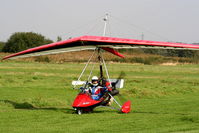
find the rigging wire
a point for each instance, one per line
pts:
(91, 72)
(138, 27)
(85, 68)
(107, 73)
(95, 27)
(118, 32)
(72, 32)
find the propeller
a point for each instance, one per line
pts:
(121, 76)
(120, 96)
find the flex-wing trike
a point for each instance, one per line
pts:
(84, 103)
(97, 43)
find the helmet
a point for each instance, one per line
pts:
(95, 78)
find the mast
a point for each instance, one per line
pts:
(99, 50)
(105, 24)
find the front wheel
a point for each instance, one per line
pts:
(79, 111)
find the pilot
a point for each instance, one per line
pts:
(96, 90)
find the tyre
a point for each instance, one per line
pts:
(79, 111)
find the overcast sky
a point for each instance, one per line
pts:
(162, 20)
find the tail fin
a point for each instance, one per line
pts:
(126, 107)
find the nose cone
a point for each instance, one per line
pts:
(84, 100)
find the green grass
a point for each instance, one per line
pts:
(36, 97)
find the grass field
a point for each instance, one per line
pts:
(37, 97)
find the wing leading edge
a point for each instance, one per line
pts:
(92, 42)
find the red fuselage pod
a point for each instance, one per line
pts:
(84, 100)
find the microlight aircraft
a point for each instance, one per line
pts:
(83, 102)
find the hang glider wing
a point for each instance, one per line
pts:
(93, 42)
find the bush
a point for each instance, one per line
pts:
(23, 40)
(42, 59)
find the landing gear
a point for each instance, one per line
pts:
(79, 111)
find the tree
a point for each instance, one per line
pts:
(1, 46)
(59, 39)
(23, 40)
